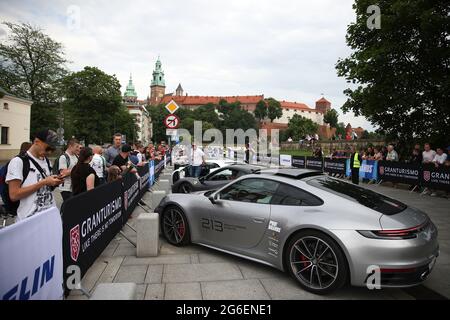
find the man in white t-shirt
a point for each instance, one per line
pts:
(67, 161)
(440, 157)
(197, 158)
(34, 191)
(98, 163)
(428, 154)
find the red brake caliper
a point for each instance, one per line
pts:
(181, 229)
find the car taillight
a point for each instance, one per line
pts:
(399, 234)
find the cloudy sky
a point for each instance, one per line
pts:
(283, 49)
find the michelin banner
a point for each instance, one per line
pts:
(31, 262)
(285, 160)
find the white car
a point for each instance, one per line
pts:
(211, 165)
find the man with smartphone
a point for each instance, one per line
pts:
(29, 177)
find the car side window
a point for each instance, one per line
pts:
(251, 190)
(223, 175)
(287, 195)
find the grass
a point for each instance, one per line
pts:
(301, 153)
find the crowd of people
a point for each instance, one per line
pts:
(30, 178)
(439, 158)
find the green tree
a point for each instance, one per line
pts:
(274, 110)
(157, 114)
(300, 126)
(340, 130)
(93, 105)
(331, 117)
(400, 73)
(31, 66)
(261, 110)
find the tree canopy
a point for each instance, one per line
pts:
(274, 110)
(400, 73)
(93, 106)
(299, 127)
(32, 66)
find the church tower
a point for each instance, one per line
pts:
(130, 94)
(158, 85)
(179, 91)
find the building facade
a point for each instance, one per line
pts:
(15, 119)
(140, 113)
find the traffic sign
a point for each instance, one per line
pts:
(172, 121)
(172, 107)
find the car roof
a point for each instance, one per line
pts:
(244, 167)
(292, 173)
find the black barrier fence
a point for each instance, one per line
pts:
(131, 194)
(314, 163)
(90, 221)
(399, 172)
(336, 166)
(435, 178)
(298, 162)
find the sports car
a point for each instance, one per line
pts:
(214, 180)
(211, 165)
(323, 231)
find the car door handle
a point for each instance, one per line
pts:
(259, 220)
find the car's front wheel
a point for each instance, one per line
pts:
(316, 262)
(175, 227)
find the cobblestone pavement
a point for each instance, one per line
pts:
(195, 272)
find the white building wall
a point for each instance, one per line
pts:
(17, 119)
(315, 116)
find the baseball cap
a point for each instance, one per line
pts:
(49, 137)
(126, 148)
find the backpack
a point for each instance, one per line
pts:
(12, 206)
(56, 163)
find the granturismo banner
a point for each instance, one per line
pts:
(336, 166)
(399, 172)
(435, 178)
(314, 163)
(298, 162)
(90, 221)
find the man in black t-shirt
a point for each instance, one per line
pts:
(123, 161)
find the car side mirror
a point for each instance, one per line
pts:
(214, 198)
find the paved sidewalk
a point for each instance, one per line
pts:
(195, 272)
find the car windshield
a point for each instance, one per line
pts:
(365, 197)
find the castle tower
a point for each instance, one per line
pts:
(130, 94)
(179, 91)
(323, 105)
(158, 85)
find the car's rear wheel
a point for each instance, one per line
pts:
(175, 227)
(316, 262)
(185, 188)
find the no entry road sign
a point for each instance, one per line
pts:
(172, 121)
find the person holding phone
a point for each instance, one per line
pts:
(29, 177)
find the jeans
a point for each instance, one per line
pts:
(195, 171)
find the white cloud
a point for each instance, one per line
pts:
(286, 49)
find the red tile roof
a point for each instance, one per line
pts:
(323, 100)
(202, 100)
(295, 105)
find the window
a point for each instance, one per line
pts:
(251, 190)
(367, 198)
(223, 175)
(6, 106)
(5, 135)
(287, 195)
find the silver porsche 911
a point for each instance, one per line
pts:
(325, 232)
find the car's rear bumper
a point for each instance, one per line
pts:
(400, 263)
